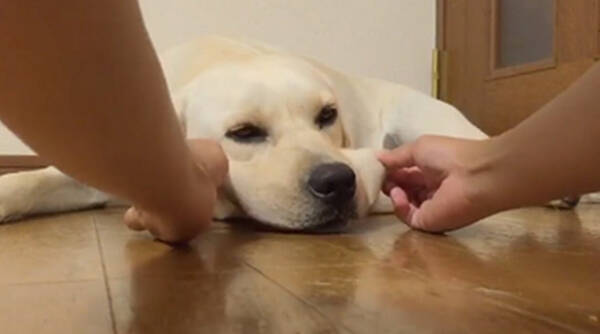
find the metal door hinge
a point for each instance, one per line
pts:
(437, 72)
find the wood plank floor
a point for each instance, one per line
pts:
(533, 270)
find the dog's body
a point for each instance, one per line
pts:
(300, 136)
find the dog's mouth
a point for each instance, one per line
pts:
(331, 227)
(337, 224)
(327, 203)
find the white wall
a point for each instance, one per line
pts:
(10, 144)
(388, 39)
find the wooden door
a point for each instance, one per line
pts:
(504, 59)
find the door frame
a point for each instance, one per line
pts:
(440, 22)
(440, 51)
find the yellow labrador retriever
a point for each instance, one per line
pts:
(300, 136)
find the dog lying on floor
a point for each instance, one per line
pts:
(300, 137)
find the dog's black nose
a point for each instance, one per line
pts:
(333, 183)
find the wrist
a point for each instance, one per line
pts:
(199, 201)
(491, 177)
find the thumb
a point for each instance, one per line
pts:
(438, 215)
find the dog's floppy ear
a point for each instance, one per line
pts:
(346, 143)
(369, 169)
(227, 208)
(228, 205)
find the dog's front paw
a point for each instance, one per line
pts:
(7, 215)
(566, 203)
(12, 203)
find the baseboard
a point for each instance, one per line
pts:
(16, 163)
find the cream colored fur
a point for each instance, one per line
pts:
(217, 84)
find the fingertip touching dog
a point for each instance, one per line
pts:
(301, 137)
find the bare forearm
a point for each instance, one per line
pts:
(556, 152)
(457, 182)
(81, 84)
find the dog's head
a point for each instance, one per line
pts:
(280, 122)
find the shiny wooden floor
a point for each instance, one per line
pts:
(535, 270)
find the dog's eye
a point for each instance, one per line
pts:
(247, 133)
(326, 117)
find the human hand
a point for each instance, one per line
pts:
(210, 155)
(438, 184)
(211, 167)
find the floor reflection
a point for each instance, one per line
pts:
(539, 271)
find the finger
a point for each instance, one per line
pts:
(403, 208)
(427, 219)
(400, 157)
(407, 176)
(435, 216)
(411, 180)
(400, 202)
(133, 220)
(412, 191)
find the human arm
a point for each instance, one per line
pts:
(451, 183)
(80, 83)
